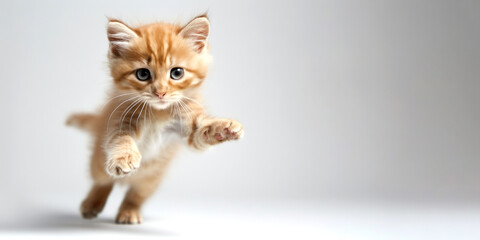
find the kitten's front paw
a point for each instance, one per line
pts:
(222, 130)
(123, 161)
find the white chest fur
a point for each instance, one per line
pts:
(155, 138)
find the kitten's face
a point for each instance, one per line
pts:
(161, 63)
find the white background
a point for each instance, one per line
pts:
(347, 106)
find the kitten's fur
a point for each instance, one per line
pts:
(137, 133)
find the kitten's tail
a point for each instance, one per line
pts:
(84, 121)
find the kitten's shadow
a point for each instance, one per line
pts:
(69, 222)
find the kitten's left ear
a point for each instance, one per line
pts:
(120, 36)
(196, 32)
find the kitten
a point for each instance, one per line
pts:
(154, 107)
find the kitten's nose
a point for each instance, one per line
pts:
(160, 94)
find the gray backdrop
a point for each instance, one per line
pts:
(339, 99)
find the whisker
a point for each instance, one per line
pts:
(140, 114)
(151, 113)
(193, 100)
(130, 122)
(121, 95)
(127, 110)
(182, 130)
(186, 105)
(181, 118)
(186, 109)
(109, 118)
(145, 115)
(109, 100)
(177, 110)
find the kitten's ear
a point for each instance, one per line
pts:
(120, 36)
(196, 32)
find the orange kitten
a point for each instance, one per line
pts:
(153, 108)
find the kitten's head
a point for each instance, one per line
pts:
(160, 63)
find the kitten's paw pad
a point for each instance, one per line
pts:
(123, 163)
(128, 217)
(222, 131)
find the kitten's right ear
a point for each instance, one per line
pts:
(196, 32)
(120, 36)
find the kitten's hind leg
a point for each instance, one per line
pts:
(96, 199)
(129, 212)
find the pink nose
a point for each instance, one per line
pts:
(160, 94)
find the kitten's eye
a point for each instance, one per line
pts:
(176, 73)
(143, 74)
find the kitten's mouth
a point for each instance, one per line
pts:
(160, 103)
(164, 101)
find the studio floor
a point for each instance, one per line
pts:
(234, 219)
